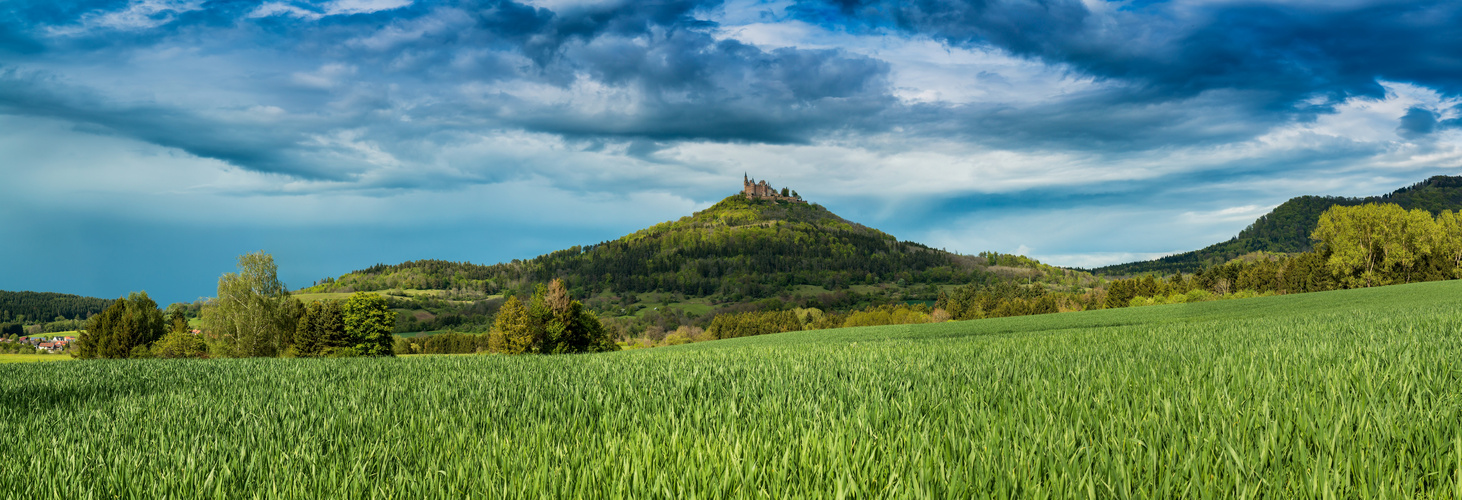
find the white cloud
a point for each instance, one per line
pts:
(334, 8)
(327, 76)
(922, 70)
(138, 15)
(347, 7)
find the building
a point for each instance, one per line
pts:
(760, 190)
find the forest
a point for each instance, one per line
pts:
(43, 307)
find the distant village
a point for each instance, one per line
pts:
(53, 344)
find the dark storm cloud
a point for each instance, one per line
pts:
(1417, 122)
(684, 84)
(1293, 49)
(1275, 61)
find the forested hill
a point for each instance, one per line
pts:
(1287, 228)
(736, 250)
(42, 307)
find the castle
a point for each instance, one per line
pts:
(763, 191)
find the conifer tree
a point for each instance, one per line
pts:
(512, 330)
(127, 324)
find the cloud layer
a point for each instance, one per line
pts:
(974, 125)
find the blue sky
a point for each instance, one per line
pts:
(145, 144)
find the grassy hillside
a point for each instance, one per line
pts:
(1287, 228)
(738, 249)
(1335, 394)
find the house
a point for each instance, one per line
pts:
(49, 346)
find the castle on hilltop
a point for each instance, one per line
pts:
(762, 191)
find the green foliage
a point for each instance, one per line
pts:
(1287, 228)
(250, 314)
(127, 325)
(180, 344)
(454, 343)
(321, 327)
(178, 322)
(513, 330)
(1347, 394)
(368, 324)
(749, 324)
(890, 314)
(43, 307)
(1372, 245)
(739, 249)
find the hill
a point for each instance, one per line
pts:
(43, 307)
(1344, 394)
(1287, 228)
(738, 250)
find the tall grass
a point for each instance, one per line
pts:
(1342, 394)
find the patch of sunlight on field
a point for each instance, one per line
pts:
(33, 358)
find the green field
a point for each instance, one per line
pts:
(29, 358)
(1351, 394)
(72, 333)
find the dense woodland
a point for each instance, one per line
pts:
(43, 307)
(1288, 227)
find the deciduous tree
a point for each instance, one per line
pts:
(368, 323)
(249, 312)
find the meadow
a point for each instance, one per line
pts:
(33, 358)
(1354, 393)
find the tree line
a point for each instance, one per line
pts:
(253, 316)
(44, 307)
(550, 322)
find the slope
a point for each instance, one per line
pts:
(1287, 228)
(739, 249)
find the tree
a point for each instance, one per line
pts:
(512, 330)
(567, 326)
(309, 337)
(178, 322)
(127, 324)
(180, 344)
(250, 311)
(368, 323)
(1373, 245)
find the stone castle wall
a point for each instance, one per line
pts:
(761, 190)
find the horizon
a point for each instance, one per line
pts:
(152, 142)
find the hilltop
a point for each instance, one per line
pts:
(742, 249)
(1287, 228)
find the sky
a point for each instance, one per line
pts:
(146, 144)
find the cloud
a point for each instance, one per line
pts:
(137, 15)
(977, 125)
(1417, 122)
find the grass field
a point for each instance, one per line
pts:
(31, 358)
(72, 333)
(1345, 394)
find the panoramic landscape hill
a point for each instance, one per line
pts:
(741, 250)
(1287, 229)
